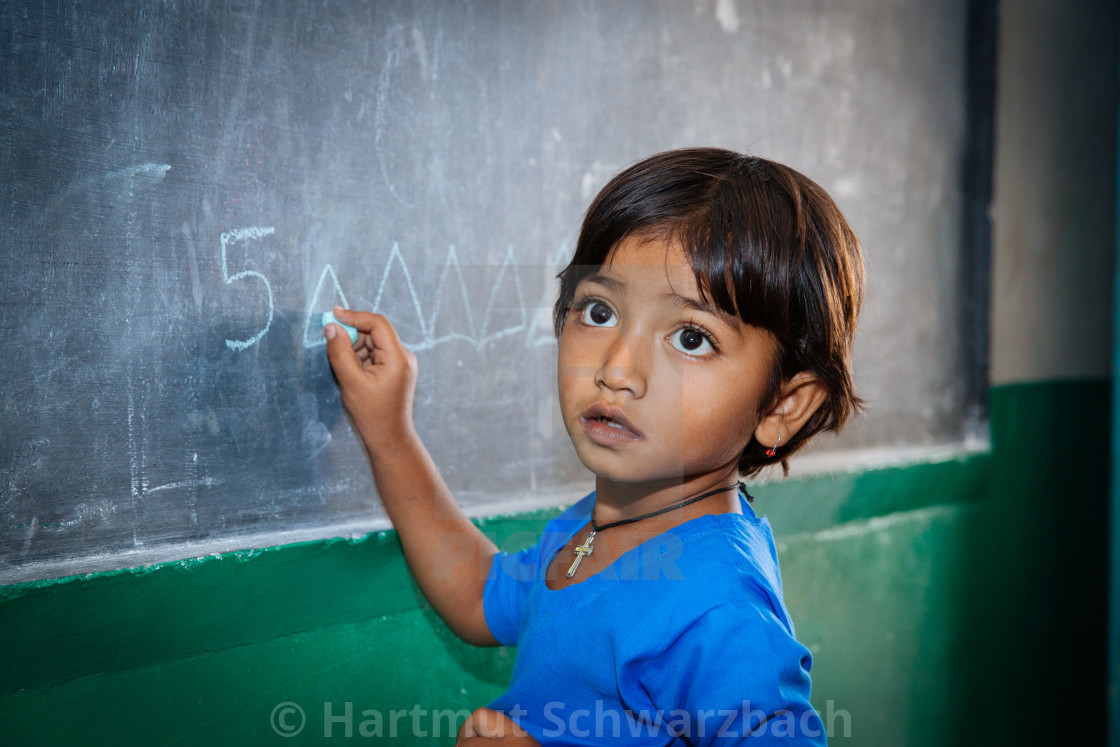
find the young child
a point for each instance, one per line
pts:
(705, 327)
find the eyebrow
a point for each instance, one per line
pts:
(729, 320)
(609, 282)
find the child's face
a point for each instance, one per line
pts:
(655, 385)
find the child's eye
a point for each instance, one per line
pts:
(598, 314)
(691, 341)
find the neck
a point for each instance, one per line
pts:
(615, 501)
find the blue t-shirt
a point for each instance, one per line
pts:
(683, 640)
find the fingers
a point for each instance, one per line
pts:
(466, 731)
(378, 329)
(488, 723)
(376, 377)
(481, 723)
(341, 354)
(377, 343)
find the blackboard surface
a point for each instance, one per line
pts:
(186, 186)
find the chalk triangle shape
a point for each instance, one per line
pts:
(451, 313)
(541, 330)
(505, 304)
(397, 300)
(328, 293)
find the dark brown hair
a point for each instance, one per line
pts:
(767, 244)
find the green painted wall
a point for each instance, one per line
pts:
(961, 602)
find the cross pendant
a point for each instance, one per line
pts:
(581, 551)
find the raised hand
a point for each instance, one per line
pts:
(376, 377)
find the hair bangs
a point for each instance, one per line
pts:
(736, 254)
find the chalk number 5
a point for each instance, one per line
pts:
(232, 237)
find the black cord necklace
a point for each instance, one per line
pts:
(582, 551)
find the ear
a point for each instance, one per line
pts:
(797, 400)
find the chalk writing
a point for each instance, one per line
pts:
(313, 333)
(135, 464)
(380, 118)
(509, 267)
(505, 294)
(152, 170)
(232, 237)
(395, 257)
(452, 265)
(477, 336)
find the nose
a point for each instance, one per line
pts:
(623, 367)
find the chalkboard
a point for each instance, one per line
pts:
(187, 185)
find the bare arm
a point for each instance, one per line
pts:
(447, 554)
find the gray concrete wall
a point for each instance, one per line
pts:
(1054, 190)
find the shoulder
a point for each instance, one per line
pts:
(728, 597)
(727, 562)
(730, 546)
(746, 543)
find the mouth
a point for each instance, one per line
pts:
(608, 425)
